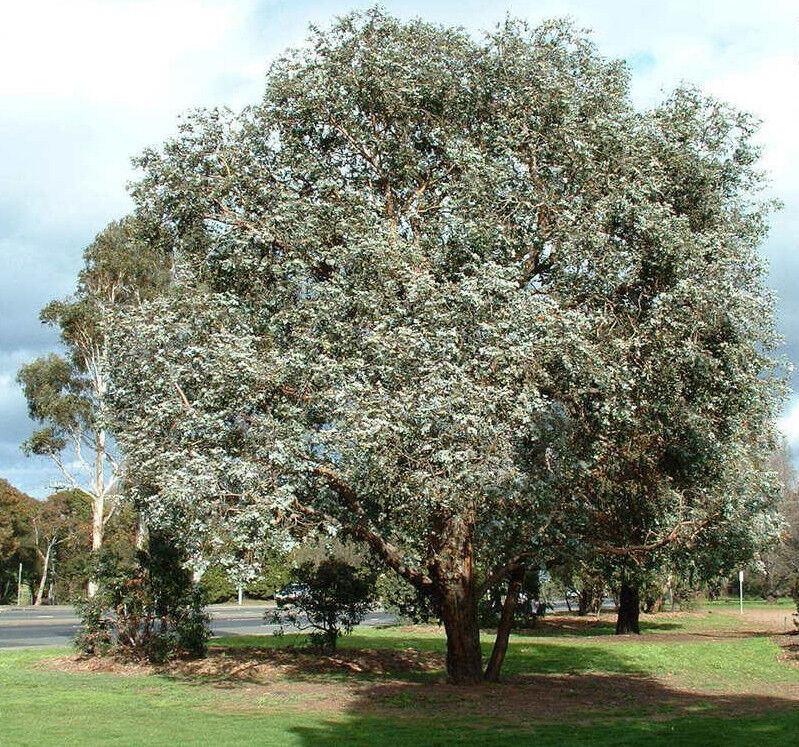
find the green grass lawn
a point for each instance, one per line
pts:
(732, 664)
(681, 692)
(733, 604)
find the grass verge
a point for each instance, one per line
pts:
(682, 686)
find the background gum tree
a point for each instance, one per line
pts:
(58, 520)
(66, 393)
(16, 510)
(776, 570)
(405, 296)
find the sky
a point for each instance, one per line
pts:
(87, 84)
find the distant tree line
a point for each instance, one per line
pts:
(46, 553)
(51, 541)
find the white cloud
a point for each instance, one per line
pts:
(789, 425)
(770, 89)
(85, 85)
(126, 52)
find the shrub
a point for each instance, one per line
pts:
(795, 591)
(686, 598)
(275, 575)
(144, 610)
(334, 597)
(23, 595)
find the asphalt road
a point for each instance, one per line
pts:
(27, 627)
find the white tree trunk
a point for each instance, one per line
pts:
(98, 525)
(141, 533)
(43, 581)
(98, 504)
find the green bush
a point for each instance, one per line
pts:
(144, 610)
(274, 576)
(23, 595)
(402, 599)
(795, 591)
(334, 597)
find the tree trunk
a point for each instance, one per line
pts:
(590, 598)
(330, 638)
(141, 533)
(98, 501)
(658, 605)
(40, 591)
(98, 521)
(459, 613)
(505, 624)
(98, 506)
(456, 592)
(583, 600)
(629, 609)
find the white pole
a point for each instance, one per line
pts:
(741, 589)
(19, 587)
(241, 595)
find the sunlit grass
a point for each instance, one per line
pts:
(733, 603)
(41, 706)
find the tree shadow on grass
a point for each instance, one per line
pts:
(266, 665)
(764, 722)
(552, 692)
(419, 660)
(568, 625)
(265, 659)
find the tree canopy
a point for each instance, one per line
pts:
(16, 511)
(456, 299)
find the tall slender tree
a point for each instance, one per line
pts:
(67, 393)
(57, 520)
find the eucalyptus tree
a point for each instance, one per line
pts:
(683, 458)
(66, 393)
(775, 570)
(16, 510)
(57, 520)
(405, 295)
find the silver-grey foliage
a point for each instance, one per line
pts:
(445, 296)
